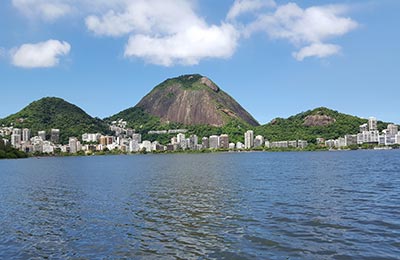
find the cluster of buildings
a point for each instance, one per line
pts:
(24, 140)
(251, 142)
(368, 134)
(127, 140)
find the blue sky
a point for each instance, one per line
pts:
(276, 58)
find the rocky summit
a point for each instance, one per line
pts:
(193, 100)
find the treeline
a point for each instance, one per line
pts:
(8, 152)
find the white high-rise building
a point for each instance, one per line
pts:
(372, 124)
(137, 138)
(42, 134)
(193, 142)
(26, 134)
(55, 136)
(181, 139)
(73, 145)
(16, 140)
(16, 131)
(392, 129)
(224, 141)
(213, 142)
(205, 143)
(249, 139)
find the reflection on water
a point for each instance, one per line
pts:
(206, 206)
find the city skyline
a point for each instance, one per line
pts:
(272, 68)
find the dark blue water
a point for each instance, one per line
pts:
(326, 205)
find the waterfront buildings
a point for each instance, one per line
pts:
(224, 141)
(126, 140)
(55, 136)
(73, 145)
(42, 135)
(26, 134)
(249, 139)
(213, 142)
(258, 141)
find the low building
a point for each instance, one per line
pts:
(280, 144)
(239, 146)
(258, 141)
(146, 145)
(350, 140)
(302, 144)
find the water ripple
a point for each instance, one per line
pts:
(209, 206)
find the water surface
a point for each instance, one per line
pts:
(309, 205)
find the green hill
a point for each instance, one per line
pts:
(189, 100)
(320, 122)
(51, 112)
(192, 102)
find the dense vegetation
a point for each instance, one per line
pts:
(48, 113)
(143, 122)
(185, 81)
(293, 128)
(8, 152)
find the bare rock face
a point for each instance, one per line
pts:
(206, 81)
(193, 100)
(318, 120)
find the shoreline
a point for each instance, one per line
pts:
(196, 152)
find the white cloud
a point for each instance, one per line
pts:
(187, 47)
(44, 9)
(317, 50)
(306, 28)
(40, 55)
(244, 6)
(166, 32)
(161, 31)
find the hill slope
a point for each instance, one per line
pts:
(319, 122)
(193, 100)
(51, 112)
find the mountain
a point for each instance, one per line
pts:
(51, 112)
(319, 122)
(188, 100)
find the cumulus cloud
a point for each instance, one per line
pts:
(306, 28)
(317, 50)
(166, 32)
(240, 7)
(187, 47)
(40, 55)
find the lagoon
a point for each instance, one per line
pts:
(260, 205)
